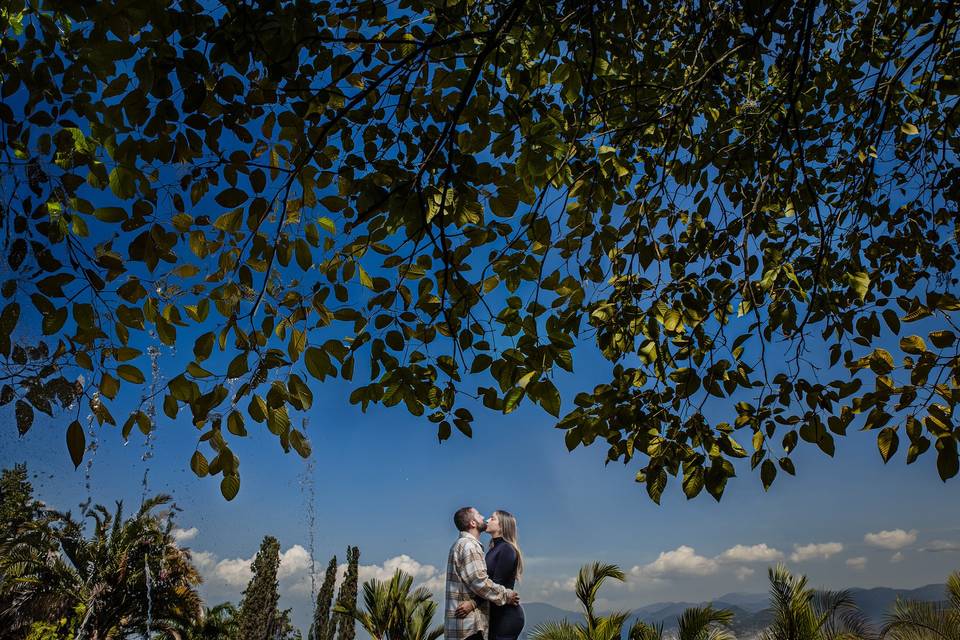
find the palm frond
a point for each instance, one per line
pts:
(589, 580)
(703, 623)
(953, 591)
(911, 620)
(562, 630)
(791, 603)
(839, 618)
(610, 627)
(643, 631)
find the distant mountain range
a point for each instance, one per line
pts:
(751, 613)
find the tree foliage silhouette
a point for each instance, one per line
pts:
(747, 209)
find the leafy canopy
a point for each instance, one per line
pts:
(747, 209)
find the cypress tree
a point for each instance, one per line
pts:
(323, 627)
(258, 608)
(347, 597)
(283, 629)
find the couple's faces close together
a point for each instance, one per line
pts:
(491, 525)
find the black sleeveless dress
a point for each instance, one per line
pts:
(506, 622)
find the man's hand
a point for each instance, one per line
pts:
(514, 598)
(464, 609)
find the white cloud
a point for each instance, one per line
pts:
(570, 584)
(754, 553)
(420, 572)
(302, 586)
(942, 545)
(234, 572)
(897, 557)
(436, 584)
(682, 561)
(203, 560)
(293, 561)
(424, 575)
(893, 540)
(823, 550)
(743, 573)
(182, 535)
(858, 563)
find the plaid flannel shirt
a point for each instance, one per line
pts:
(466, 579)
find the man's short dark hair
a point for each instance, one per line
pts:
(462, 518)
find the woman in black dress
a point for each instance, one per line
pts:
(504, 566)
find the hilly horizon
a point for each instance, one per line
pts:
(751, 611)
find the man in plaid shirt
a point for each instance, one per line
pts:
(467, 582)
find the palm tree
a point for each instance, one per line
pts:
(610, 627)
(644, 631)
(419, 626)
(217, 623)
(392, 612)
(28, 557)
(802, 613)
(31, 576)
(697, 623)
(705, 623)
(912, 620)
(130, 577)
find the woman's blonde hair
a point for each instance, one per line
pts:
(508, 531)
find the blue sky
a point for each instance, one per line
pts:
(382, 481)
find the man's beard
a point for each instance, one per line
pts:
(481, 526)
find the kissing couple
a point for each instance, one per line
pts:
(481, 603)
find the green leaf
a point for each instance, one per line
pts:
(317, 362)
(947, 462)
(480, 363)
(53, 322)
(860, 282)
(300, 395)
(199, 464)
(300, 443)
(303, 254)
(130, 373)
(656, 483)
(203, 346)
(110, 214)
(787, 465)
(122, 183)
(549, 398)
(170, 407)
(231, 198)
(768, 473)
(693, 482)
(238, 366)
(230, 486)
(229, 222)
(942, 339)
(364, 278)
(909, 129)
(512, 400)
(912, 344)
(257, 409)
(76, 443)
(109, 386)
(333, 203)
(197, 371)
(328, 225)
(887, 442)
(443, 431)
(24, 415)
(881, 362)
(235, 424)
